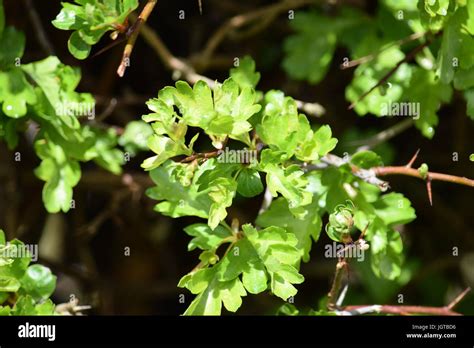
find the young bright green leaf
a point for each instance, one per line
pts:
(178, 200)
(244, 74)
(15, 93)
(280, 122)
(222, 113)
(276, 248)
(305, 229)
(221, 192)
(29, 286)
(289, 182)
(204, 237)
(433, 13)
(209, 302)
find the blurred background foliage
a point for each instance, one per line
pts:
(87, 247)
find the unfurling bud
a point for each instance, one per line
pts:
(341, 221)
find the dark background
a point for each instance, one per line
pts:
(85, 247)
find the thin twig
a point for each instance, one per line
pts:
(403, 170)
(173, 63)
(135, 30)
(397, 310)
(203, 155)
(405, 310)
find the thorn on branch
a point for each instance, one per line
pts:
(459, 298)
(413, 159)
(428, 189)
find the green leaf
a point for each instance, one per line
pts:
(433, 13)
(305, 228)
(367, 76)
(428, 93)
(324, 142)
(78, 47)
(60, 173)
(265, 259)
(450, 47)
(277, 251)
(394, 209)
(469, 96)
(280, 122)
(204, 237)
(9, 284)
(309, 52)
(289, 181)
(90, 20)
(134, 138)
(38, 282)
(14, 260)
(15, 93)
(25, 305)
(464, 79)
(366, 159)
(45, 308)
(209, 302)
(221, 192)
(249, 183)
(178, 200)
(244, 74)
(387, 253)
(13, 46)
(222, 112)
